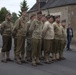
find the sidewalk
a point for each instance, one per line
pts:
(73, 47)
(0, 50)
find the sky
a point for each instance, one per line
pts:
(14, 5)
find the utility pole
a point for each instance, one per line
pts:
(38, 5)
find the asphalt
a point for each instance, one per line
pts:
(65, 67)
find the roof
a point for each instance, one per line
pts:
(43, 0)
(46, 4)
(34, 8)
(58, 3)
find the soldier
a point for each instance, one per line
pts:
(6, 32)
(29, 36)
(48, 35)
(21, 29)
(57, 38)
(36, 27)
(43, 19)
(63, 39)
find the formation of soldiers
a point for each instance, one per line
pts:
(45, 35)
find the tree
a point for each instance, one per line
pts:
(3, 13)
(14, 17)
(23, 5)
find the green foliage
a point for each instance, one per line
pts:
(14, 17)
(3, 13)
(23, 5)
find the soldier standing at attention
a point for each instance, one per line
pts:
(21, 29)
(36, 27)
(43, 19)
(57, 38)
(63, 40)
(29, 37)
(6, 32)
(48, 35)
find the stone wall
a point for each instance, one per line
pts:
(72, 16)
(66, 12)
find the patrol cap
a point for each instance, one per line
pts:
(39, 12)
(32, 16)
(23, 9)
(58, 16)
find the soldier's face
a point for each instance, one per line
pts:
(51, 20)
(39, 16)
(9, 17)
(64, 24)
(58, 19)
(24, 13)
(43, 18)
(34, 17)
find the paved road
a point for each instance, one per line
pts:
(66, 67)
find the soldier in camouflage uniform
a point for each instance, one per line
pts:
(6, 32)
(36, 27)
(29, 37)
(21, 30)
(57, 38)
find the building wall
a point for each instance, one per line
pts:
(62, 11)
(66, 12)
(72, 16)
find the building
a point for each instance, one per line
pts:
(65, 8)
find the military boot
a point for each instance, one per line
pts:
(33, 62)
(3, 58)
(8, 57)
